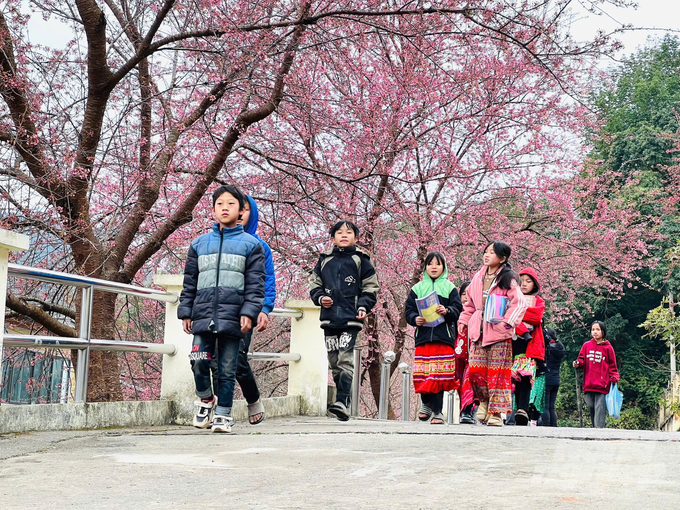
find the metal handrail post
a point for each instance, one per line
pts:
(356, 383)
(385, 384)
(448, 395)
(85, 333)
(405, 391)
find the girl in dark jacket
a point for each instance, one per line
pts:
(434, 371)
(554, 353)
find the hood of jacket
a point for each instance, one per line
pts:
(254, 219)
(441, 285)
(531, 273)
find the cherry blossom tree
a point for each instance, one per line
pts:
(435, 125)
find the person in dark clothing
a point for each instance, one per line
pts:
(345, 285)
(554, 353)
(221, 299)
(435, 337)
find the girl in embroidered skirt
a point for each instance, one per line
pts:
(433, 373)
(490, 349)
(467, 398)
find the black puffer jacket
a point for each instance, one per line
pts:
(223, 280)
(347, 276)
(554, 353)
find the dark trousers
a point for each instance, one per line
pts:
(523, 392)
(223, 350)
(550, 416)
(597, 406)
(434, 401)
(340, 349)
(244, 374)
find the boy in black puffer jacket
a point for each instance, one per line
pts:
(222, 297)
(554, 353)
(345, 286)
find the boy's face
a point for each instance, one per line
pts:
(245, 215)
(526, 284)
(226, 210)
(435, 268)
(344, 237)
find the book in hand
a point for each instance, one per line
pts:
(427, 307)
(495, 308)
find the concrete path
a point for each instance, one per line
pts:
(321, 463)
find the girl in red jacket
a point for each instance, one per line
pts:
(528, 347)
(598, 361)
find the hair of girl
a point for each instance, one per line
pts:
(505, 274)
(603, 328)
(435, 255)
(463, 287)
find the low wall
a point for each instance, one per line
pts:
(98, 415)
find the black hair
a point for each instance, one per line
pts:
(603, 328)
(463, 287)
(549, 334)
(339, 225)
(434, 255)
(233, 191)
(505, 272)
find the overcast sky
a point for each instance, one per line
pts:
(651, 14)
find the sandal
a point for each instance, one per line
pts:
(440, 419)
(255, 409)
(426, 411)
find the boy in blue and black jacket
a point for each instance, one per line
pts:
(345, 285)
(222, 298)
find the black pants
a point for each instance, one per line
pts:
(550, 416)
(523, 392)
(244, 374)
(434, 401)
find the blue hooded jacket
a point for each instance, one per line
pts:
(270, 278)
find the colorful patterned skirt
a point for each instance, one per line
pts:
(523, 366)
(434, 369)
(490, 374)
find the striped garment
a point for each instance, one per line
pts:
(434, 368)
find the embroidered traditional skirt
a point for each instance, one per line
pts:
(434, 369)
(523, 366)
(490, 374)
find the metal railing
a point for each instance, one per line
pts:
(84, 343)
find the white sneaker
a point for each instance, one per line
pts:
(203, 416)
(222, 423)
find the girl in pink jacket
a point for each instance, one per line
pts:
(490, 354)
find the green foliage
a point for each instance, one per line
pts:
(662, 323)
(632, 418)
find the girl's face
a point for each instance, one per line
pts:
(435, 268)
(526, 284)
(490, 257)
(463, 296)
(596, 332)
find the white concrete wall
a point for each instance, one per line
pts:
(9, 241)
(308, 377)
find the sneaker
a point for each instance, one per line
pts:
(203, 416)
(467, 418)
(340, 411)
(533, 423)
(222, 423)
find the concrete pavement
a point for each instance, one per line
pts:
(307, 462)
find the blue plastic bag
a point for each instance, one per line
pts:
(614, 401)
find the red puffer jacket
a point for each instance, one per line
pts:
(534, 317)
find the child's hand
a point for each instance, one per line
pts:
(186, 326)
(420, 321)
(361, 315)
(441, 310)
(575, 364)
(326, 302)
(262, 322)
(246, 324)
